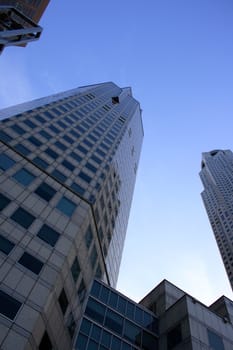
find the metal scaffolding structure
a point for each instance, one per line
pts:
(16, 28)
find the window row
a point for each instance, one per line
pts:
(124, 306)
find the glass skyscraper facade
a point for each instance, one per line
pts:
(217, 178)
(68, 168)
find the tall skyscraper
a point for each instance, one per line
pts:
(217, 178)
(18, 21)
(68, 168)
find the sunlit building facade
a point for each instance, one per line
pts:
(68, 168)
(217, 178)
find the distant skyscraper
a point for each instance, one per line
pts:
(217, 178)
(18, 21)
(68, 168)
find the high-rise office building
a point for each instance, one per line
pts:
(68, 168)
(217, 178)
(18, 21)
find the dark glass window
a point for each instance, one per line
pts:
(113, 299)
(116, 343)
(31, 263)
(138, 315)
(22, 149)
(45, 343)
(60, 145)
(45, 191)
(74, 133)
(91, 167)
(85, 326)
(75, 156)
(6, 246)
(68, 120)
(68, 165)
(81, 342)
(61, 124)
(51, 153)
(54, 129)
(5, 137)
(132, 332)
(95, 290)
(45, 134)
(35, 141)
(96, 332)
(79, 128)
(104, 294)
(29, 123)
(75, 270)
(150, 322)
(18, 129)
(93, 138)
(40, 162)
(8, 306)
(88, 143)
(215, 341)
(84, 177)
(40, 118)
(63, 301)
(96, 159)
(49, 235)
(82, 149)
(77, 188)
(58, 175)
(101, 153)
(174, 337)
(95, 310)
(121, 304)
(4, 201)
(92, 345)
(56, 111)
(114, 322)
(6, 162)
(130, 310)
(88, 237)
(149, 342)
(24, 177)
(48, 114)
(23, 218)
(106, 339)
(68, 139)
(125, 346)
(66, 206)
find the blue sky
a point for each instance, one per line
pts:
(177, 55)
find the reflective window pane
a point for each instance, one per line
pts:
(24, 177)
